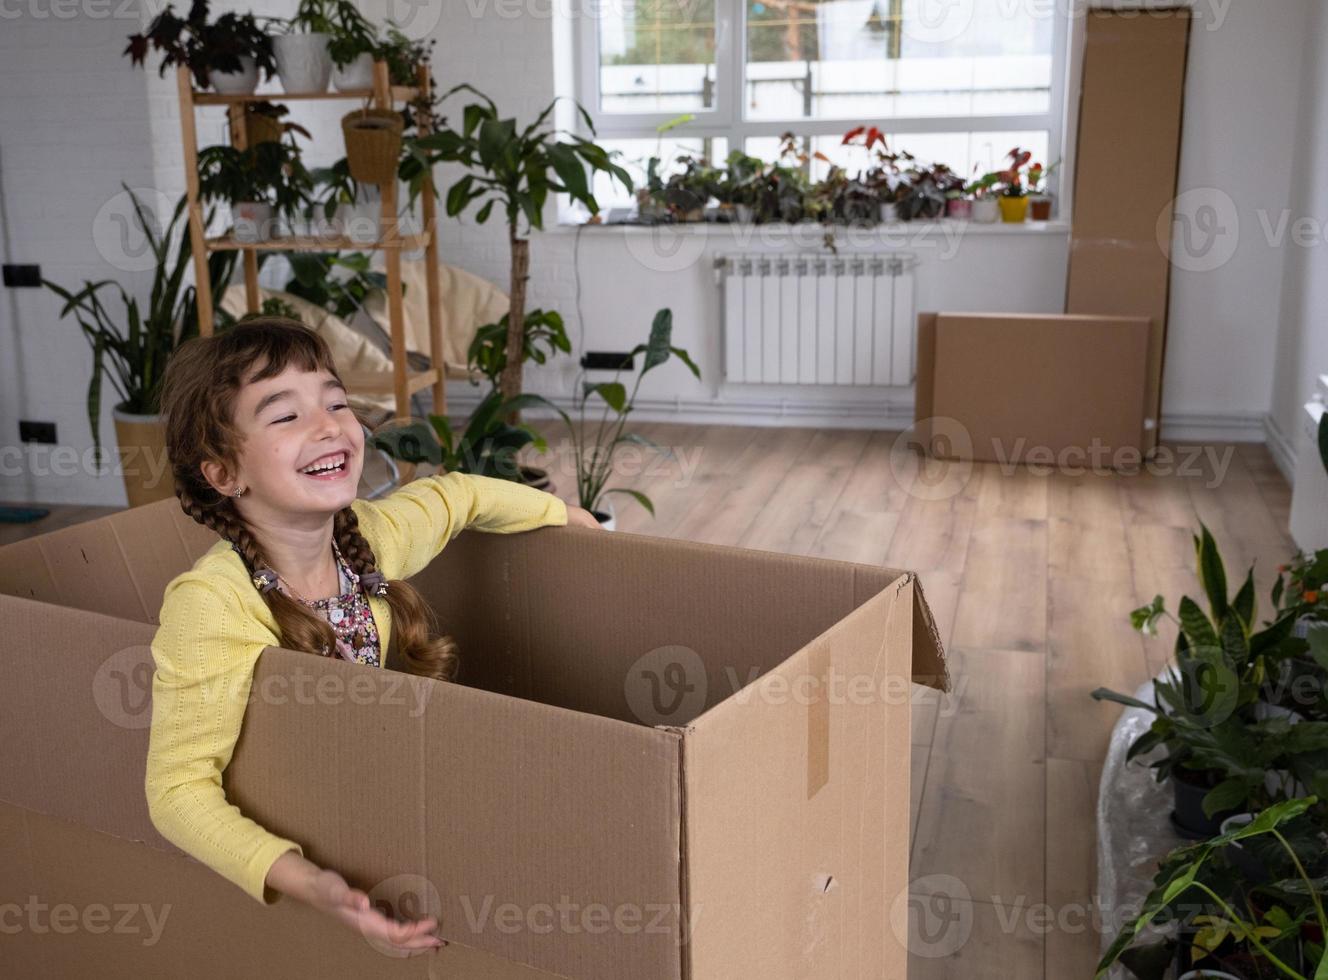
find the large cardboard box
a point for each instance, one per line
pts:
(1050, 390)
(667, 761)
(1127, 164)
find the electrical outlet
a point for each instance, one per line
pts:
(22, 276)
(36, 432)
(602, 360)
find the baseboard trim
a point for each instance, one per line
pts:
(1281, 446)
(1212, 427)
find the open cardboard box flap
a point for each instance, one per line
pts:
(665, 733)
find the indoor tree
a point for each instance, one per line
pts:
(515, 169)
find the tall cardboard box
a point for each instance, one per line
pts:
(667, 761)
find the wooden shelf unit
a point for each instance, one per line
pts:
(402, 382)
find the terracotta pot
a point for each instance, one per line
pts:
(1014, 210)
(1039, 207)
(143, 462)
(373, 144)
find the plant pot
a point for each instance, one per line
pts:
(252, 221)
(1281, 784)
(1014, 210)
(144, 466)
(890, 213)
(959, 207)
(986, 211)
(242, 82)
(373, 144)
(1188, 816)
(1039, 207)
(259, 128)
(354, 76)
(1207, 975)
(537, 477)
(1265, 711)
(1241, 857)
(303, 64)
(604, 513)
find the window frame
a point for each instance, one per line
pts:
(727, 118)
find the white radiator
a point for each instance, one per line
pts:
(817, 319)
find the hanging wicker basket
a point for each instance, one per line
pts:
(373, 144)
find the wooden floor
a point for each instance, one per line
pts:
(1031, 578)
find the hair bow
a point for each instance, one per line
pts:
(374, 583)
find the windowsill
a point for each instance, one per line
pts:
(778, 230)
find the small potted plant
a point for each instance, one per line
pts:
(689, 191)
(226, 54)
(739, 186)
(1039, 200)
(352, 46)
(263, 123)
(986, 210)
(1012, 196)
(261, 183)
(595, 445)
(926, 191)
(373, 143)
(133, 347)
(304, 63)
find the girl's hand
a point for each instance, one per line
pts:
(581, 517)
(328, 892)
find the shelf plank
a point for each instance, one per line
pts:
(314, 243)
(400, 93)
(383, 383)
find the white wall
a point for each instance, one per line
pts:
(74, 122)
(1302, 348)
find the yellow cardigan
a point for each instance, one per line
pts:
(214, 625)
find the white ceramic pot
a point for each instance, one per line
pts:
(1278, 781)
(890, 213)
(356, 75)
(253, 221)
(303, 63)
(1263, 711)
(1207, 975)
(242, 82)
(986, 211)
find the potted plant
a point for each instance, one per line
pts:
(739, 186)
(1278, 926)
(263, 123)
(1216, 753)
(304, 63)
(516, 169)
(1039, 200)
(986, 210)
(373, 143)
(1012, 196)
(340, 205)
(339, 282)
(545, 336)
(687, 192)
(352, 46)
(227, 53)
(133, 347)
(926, 191)
(260, 183)
(487, 446)
(594, 454)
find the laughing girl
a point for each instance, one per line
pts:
(265, 452)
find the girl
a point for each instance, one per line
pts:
(265, 452)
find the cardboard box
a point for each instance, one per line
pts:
(668, 761)
(1048, 390)
(1127, 165)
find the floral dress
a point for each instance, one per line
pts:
(351, 619)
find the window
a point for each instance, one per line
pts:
(959, 82)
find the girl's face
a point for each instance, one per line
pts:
(301, 447)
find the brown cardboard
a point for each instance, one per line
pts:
(759, 822)
(1128, 158)
(1048, 389)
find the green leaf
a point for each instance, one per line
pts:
(483, 214)
(661, 333)
(686, 358)
(1196, 626)
(494, 137)
(570, 171)
(1323, 439)
(1144, 619)
(1102, 694)
(1230, 794)
(458, 196)
(1244, 603)
(640, 497)
(613, 392)
(1318, 641)
(1212, 575)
